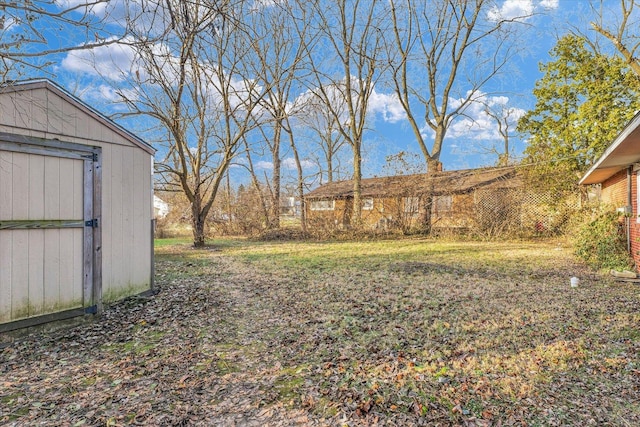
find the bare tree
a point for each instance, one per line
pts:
(440, 50)
(343, 55)
(403, 163)
(505, 117)
(324, 128)
(263, 203)
(187, 80)
(276, 63)
(623, 33)
(31, 31)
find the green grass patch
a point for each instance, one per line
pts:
(141, 343)
(289, 383)
(173, 241)
(460, 257)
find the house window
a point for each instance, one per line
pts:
(411, 205)
(443, 203)
(367, 204)
(323, 205)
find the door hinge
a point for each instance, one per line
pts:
(91, 223)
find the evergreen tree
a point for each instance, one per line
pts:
(583, 101)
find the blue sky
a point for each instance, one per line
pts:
(469, 139)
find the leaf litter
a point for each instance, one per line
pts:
(232, 339)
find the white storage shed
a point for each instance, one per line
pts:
(76, 207)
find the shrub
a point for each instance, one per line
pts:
(601, 241)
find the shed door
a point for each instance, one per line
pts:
(46, 235)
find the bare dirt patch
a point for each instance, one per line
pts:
(395, 333)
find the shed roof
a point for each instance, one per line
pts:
(448, 182)
(25, 85)
(623, 151)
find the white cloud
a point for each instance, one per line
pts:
(497, 100)
(108, 92)
(388, 106)
(287, 163)
(104, 94)
(92, 7)
(263, 164)
(549, 4)
(477, 124)
(290, 163)
(110, 61)
(9, 24)
(511, 9)
(310, 105)
(117, 63)
(426, 132)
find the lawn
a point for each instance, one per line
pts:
(406, 332)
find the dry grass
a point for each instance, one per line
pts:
(407, 332)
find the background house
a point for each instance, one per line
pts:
(160, 207)
(462, 199)
(617, 173)
(76, 204)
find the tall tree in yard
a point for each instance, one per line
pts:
(439, 51)
(276, 62)
(344, 53)
(188, 56)
(583, 101)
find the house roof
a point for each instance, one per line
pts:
(17, 86)
(623, 151)
(460, 181)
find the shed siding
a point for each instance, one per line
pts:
(126, 208)
(126, 221)
(40, 269)
(44, 114)
(6, 195)
(55, 118)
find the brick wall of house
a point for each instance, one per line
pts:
(336, 217)
(390, 212)
(614, 193)
(635, 225)
(614, 190)
(383, 212)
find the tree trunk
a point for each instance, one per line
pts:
(433, 167)
(256, 185)
(356, 218)
(198, 233)
(197, 223)
(273, 222)
(300, 185)
(229, 210)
